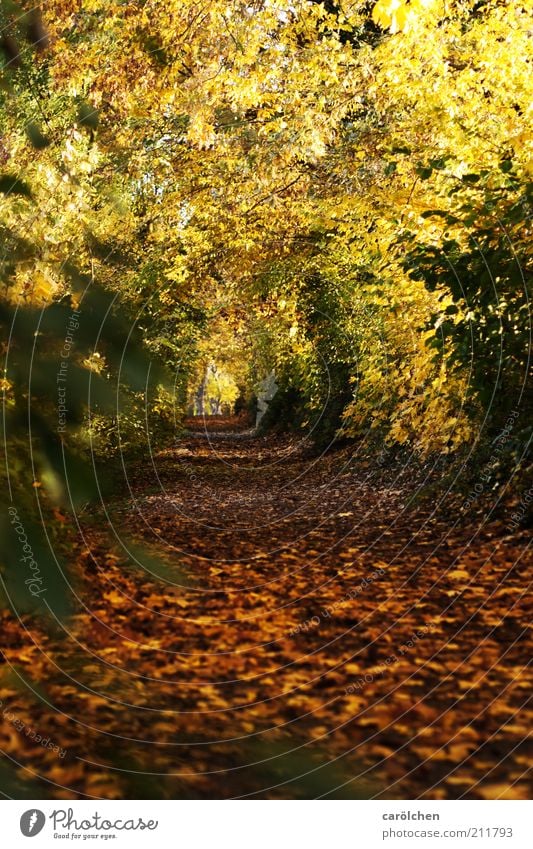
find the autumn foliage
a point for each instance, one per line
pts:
(196, 195)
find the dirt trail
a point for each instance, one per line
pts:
(318, 630)
(325, 607)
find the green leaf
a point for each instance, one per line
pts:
(11, 52)
(11, 185)
(16, 787)
(150, 562)
(32, 579)
(424, 172)
(36, 31)
(438, 164)
(88, 116)
(430, 212)
(38, 140)
(155, 49)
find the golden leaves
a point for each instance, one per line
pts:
(401, 15)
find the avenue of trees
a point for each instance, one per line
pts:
(337, 194)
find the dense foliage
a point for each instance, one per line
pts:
(194, 197)
(341, 194)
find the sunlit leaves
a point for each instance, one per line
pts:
(400, 15)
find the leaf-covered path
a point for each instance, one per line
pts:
(317, 622)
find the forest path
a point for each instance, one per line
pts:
(324, 602)
(296, 626)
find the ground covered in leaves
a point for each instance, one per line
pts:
(260, 621)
